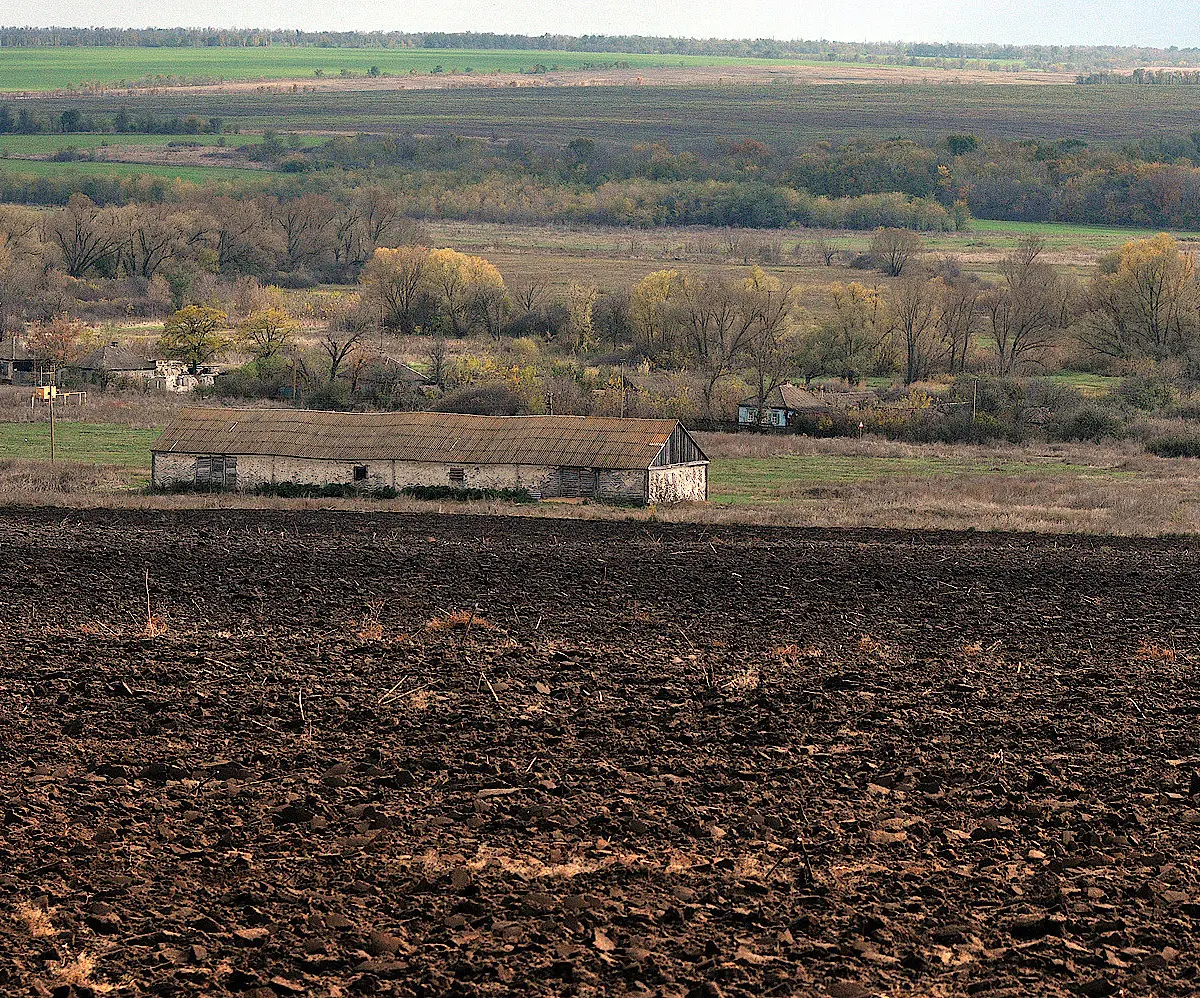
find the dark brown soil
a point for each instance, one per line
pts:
(641, 759)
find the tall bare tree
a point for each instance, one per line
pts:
(85, 234)
(913, 305)
(894, 250)
(1027, 310)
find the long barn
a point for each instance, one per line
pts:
(638, 460)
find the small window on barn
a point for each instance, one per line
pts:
(458, 477)
(360, 472)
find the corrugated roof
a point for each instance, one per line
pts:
(558, 441)
(11, 350)
(796, 399)
(114, 358)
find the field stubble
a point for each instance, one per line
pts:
(480, 755)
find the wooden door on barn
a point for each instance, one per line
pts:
(577, 483)
(219, 470)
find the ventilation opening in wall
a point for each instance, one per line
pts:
(360, 472)
(458, 477)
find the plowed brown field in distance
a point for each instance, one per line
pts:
(424, 755)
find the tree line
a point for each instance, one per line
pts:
(169, 250)
(1151, 77)
(1069, 56)
(744, 183)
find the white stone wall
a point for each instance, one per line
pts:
(679, 483)
(170, 469)
(253, 471)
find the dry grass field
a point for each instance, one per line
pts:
(615, 258)
(766, 480)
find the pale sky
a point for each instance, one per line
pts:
(1083, 22)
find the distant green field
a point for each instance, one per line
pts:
(756, 480)
(92, 443)
(60, 68)
(1068, 230)
(41, 145)
(189, 174)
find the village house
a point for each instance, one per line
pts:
(633, 460)
(784, 403)
(113, 363)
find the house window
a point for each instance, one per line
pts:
(360, 472)
(458, 477)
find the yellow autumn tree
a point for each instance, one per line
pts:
(458, 282)
(856, 329)
(266, 332)
(649, 305)
(195, 335)
(1144, 301)
(396, 283)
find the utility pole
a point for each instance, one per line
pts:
(50, 399)
(974, 400)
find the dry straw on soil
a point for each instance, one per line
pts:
(36, 921)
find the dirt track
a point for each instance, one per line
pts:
(649, 759)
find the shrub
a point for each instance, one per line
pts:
(482, 400)
(997, 396)
(1089, 423)
(331, 396)
(453, 494)
(1147, 393)
(253, 380)
(1179, 444)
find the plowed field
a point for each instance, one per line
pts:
(330, 754)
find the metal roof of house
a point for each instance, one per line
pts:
(560, 441)
(13, 351)
(796, 399)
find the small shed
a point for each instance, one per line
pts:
(632, 460)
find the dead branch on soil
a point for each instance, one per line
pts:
(460, 620)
